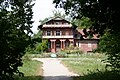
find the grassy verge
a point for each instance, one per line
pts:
(85, 64)
(88, 55)
(29, 56)
(31, 69)
(90, 67)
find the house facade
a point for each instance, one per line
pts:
(60, 34)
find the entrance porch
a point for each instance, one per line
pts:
(56, 45)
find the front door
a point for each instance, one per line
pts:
(58, 45)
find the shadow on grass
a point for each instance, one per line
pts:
(29, 78)
(107, 75)
(45, 78)
(98, 75)
(57, 78)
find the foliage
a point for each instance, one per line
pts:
(38, 45)
(90, 67)
(15, 20)
(83, 64)
(55, 14)
(42, 46)
(82, 23)
(104, 14)
(112, 49)
(58, 13)
(70, 51)
(61, 54)
(105, 17)
(30, 56)
(43, 21)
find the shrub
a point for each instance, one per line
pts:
(61, 54)
(72, 51)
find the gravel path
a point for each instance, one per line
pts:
(54, 70)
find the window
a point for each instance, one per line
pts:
(57, 33)
(48, 33)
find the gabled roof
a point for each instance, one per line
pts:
(54, 18)
(59, 18)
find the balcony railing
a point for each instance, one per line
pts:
(71, 36)
(62, 25)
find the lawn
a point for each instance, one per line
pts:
(90, 67)
(31, 69)
(85, 63)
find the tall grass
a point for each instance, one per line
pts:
(83, 66)
(31, 69)
(85, 63)
(90, 67)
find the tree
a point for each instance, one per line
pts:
(105, 15)
(110, 44)
(58, 13)
(38, 45)
(15, 20)
(55, 13)
(42, 46)
(82, 23)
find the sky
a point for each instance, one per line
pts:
(41, 10)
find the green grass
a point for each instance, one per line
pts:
(83, 66)
(90, 67)
(88, 55)
(29, 56)
(43, 55)
(31, 69)
(85, 63)
(101, 75)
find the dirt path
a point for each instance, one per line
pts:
(54, 70)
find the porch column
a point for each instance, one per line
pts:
(62, 43)
(71, 42)
(53, 49)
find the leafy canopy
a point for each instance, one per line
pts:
(15, 20)
(105, 15)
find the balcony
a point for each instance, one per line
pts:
(62, 25)
(65, 36)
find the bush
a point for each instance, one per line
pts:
(37, 48)
(72, 51)
(46, 55)
(61, 54)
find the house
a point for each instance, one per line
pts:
(60, 34)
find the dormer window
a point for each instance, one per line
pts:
(57, 33)
(48, 33)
